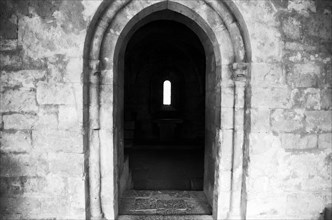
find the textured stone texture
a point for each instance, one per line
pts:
(164, 203)
(41, 152)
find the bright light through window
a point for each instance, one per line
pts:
(167, 92)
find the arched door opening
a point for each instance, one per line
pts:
(125, 64)
(164, 139)
(164, 111)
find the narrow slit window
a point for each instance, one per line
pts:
(167, 92)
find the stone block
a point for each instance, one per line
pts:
(27, 206)
(326, 99)
(66, 165)
(319, 26)
(304, 75)
(297, 202)
(325, 141)
(55, 93)
(261, 143)
(8, 44)
(271, 97)
(227, 118)
(12, 61)
(23, 165)
(49, 185)
(19, 121)
(17, 142)
(9, 101)
(291, 27)
(70, 118)
(291, 141)
(47, 140)
(260, 119)
(54, 207)
(264, 74)
(287, 120)
(266, 43)
(76, 192)
(23, 78)
(74, 70)
(12, 186)
(317, 121)
(47, 118)
(306, 98)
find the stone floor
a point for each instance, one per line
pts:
(167, 169)
(164, 203)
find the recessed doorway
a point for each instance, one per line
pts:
(164, 103)
(164, 120)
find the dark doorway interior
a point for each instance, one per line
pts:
(164, 136)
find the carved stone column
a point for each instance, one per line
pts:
(94, 141)
(239, 76)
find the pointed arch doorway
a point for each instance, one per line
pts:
(225, 72)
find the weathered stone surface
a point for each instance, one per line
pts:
(292, 28)
(164, 203)
(266, 43)
(306, 98)
(55, 93)
(27, 206)
(74, 70)
(57, 141)
(66, 164)
(76, 191)
(47, 118)
(303, 7)
(263, 142)
(260, 119)
(318, 121)
(23, 165)
(303, 200)
(70, 118)
(17, 142)
(41, 183)
(298, 141)
(325, 141)
(23, 78)
(320, 26)
(326, 99)
(271, 97)
(10, 61)
(283, 120)
(264, 74)
(8, 44)
(19, 121)
(304, 75)
(10, 103)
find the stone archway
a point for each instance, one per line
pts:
(218, 26)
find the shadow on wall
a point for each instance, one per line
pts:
(11, 188)
(327, 213)
(25, 192)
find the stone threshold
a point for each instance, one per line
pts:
(165, 217)
(164, 204)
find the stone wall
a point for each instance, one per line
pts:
(42, 155)
(41, 104)
(291, 119)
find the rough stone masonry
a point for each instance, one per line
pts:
(42, 158)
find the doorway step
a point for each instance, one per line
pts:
(165, 217)
(164, 205)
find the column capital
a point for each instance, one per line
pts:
(94, 65)
(240, 71)
(94, 69)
